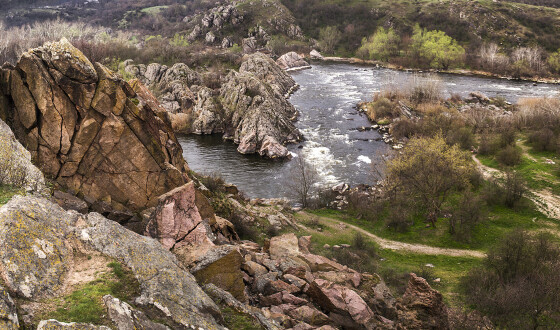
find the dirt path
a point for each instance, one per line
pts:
(408, 247)
(546, 202)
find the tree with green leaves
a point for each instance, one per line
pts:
(426, 172)
(436, 47)
(554, 61)
(381, 45)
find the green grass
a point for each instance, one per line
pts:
(153, 10)
(7, 192)
(239, 321)
(533, 168)
(86, 303)
(498, 221)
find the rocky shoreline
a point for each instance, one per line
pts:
(460, 72)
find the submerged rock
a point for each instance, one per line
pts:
(81, 123)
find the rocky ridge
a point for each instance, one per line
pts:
(81, 122)
(250, 108)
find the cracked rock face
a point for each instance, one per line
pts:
(81, 124)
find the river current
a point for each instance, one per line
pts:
(334, 144)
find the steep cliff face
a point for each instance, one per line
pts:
(87, 129)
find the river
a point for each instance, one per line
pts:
(329, 121)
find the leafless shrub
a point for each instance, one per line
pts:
(303, 180)
(15, 41)
(422, 89)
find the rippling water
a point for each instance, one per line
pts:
(329, 122)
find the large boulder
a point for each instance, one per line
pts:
(423, 306)
(81, 123)
(173, 84)
(292, 61)
(265, 69)
(221, 266)
(346, 308)
(182, 217)
(38, 264)
(208, 113)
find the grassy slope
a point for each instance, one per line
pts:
(537, 172)
(468, 21)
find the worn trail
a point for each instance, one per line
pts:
(408, 247)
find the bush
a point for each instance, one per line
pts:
(404, 128)
(515, 189)
(399, 217)
(426, 172)
(213, 181)
(465, 216)
(543, 140)
(382, 108)
(507, 136)
(509, 156)
(518, 284)
(463, 137)
(423, 89)
(488, 144)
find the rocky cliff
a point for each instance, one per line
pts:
(82, 123)
(250, 108)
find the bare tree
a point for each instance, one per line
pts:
(533, 56)
(490, 56)
(302, 180)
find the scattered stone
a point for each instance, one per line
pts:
(309, 315)
(285, 245)
(182, 217)
(346, 308)
(254, 269)
(221, 266)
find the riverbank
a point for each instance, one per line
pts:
(461, 72)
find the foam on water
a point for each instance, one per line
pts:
(364, 159)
